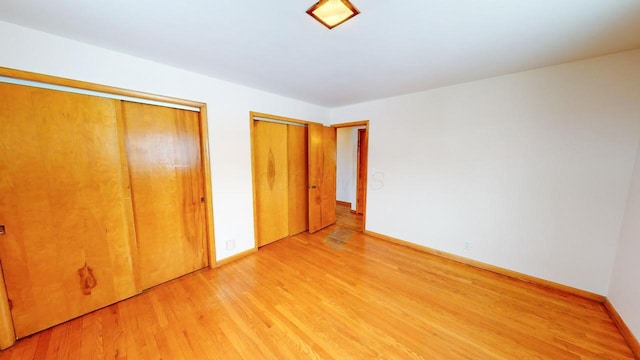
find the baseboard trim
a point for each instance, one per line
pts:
(343, 203)
(235, 257)
(496, 269)
(632, 341)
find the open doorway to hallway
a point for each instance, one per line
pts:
(347, 218)
(352, 164)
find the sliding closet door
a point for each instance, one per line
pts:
(298, 179)
(165, 165)
(272, 184)
(67, 243)
(322, 176)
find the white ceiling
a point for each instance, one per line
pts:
(393, 47)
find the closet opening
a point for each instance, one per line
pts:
(294, 176)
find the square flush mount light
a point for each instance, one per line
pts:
(332, 13)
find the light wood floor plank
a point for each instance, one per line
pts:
(338, 294)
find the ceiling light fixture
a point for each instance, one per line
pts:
(332, 13)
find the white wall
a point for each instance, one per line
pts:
(344, 164)
(228, 108)
(624, 292)
(531, 168)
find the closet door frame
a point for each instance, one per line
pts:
(7, 335)
(257, 116)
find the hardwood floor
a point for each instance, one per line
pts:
(337, 294)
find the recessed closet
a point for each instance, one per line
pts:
(294, 173)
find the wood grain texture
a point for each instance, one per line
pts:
(7, 331)
(298, 179)
(315, 176)
(322, 176)
(165, 166)
(127, 203)
(208, 192)
(67, 248)
(19, 74)
(338, 294)
(271, 181)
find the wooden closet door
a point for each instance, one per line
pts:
(322, 176)
(298, 179)
(272, 183)
(165, 166)
(329, 149)
(64, 203)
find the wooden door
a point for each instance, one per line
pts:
(361, 183)
(271, 181)
(165, 166)
(322, 176)
(68, 242)
(298, 179)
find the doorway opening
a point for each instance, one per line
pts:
(352, 167)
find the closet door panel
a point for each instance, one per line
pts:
(329, 146)
(298, 180)
(316, 165)
(165, 166)
(272, 184)
(67, 247)
(322, 177)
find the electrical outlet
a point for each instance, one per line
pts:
(467, 245)
(231, 244)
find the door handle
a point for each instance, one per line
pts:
(2, 231)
